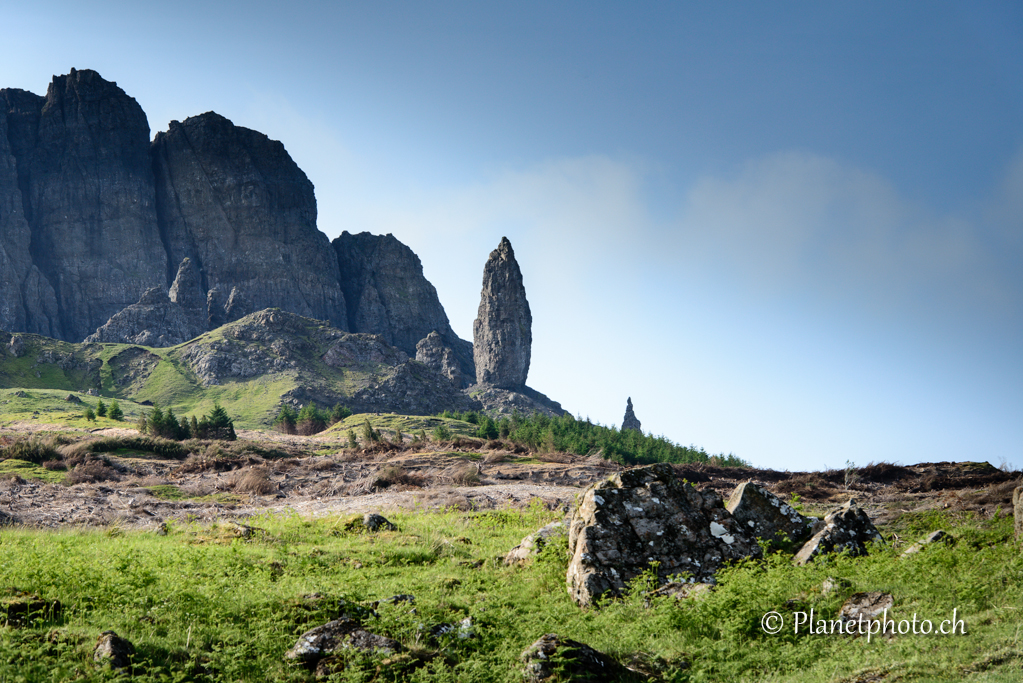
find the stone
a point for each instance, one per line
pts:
(335, 636)
(16, 346)
(86, 196)
(18, 608)
(502, 332)
(114, 650)
(847, 529)
(432, 352)
(938, 536)
(766, 516)
(553, 658)
(533, 544)
(832, 584)
(387, 294)
(71, 398)
(1017, 511)
(374, 522)
(866, 606)
(154, 321)
(645, 515)
(524, 401)
(630, 421)
(234, 202)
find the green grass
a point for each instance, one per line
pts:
(30, 471)
(200, 604)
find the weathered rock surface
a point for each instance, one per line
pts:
(1017, 511)
(523, 400)
(433, 352)
(630, 421)
(387, 294)
(533, 544)
(154, 321)
(79, 234)
(340, 634)
(766, 516)
(114, 650)
(846, 529)
(938, 536)
(375, 522)
(866, 606)
(646, 515)
(502, 332)
(235, 202)
(18, 608)
(555, 658)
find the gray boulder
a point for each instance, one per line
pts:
(630, 421)
(533, 544)
(646, 515)
(766, 516)
(553, 658)
(338, 635)
(938, 536)
(502, 332)
(846, 529)
(114, 650)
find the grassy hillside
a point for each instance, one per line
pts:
(203, 604)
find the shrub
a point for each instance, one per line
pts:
(254, 480)
(101, 408)
(89, 415)
(441, 433)
(115, 412)
(369, 435)
(352, 441)
(91, 472)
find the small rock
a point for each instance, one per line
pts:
(113, 650)
(832, 584)
(533, 544)
(71, 398)
(576, 662)
(681, 591)
(322, 641)
(846, 529)
(866, 606)
(375, 522)
(163, 529)
(938, 536)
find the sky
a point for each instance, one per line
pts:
(789, 231)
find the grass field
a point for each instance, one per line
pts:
(202, 604)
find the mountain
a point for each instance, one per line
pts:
(94, 215)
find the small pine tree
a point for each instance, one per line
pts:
(184, 428)
(398, 439)
(143, 423)
(286, 420)
(339, 413)
(156, 421)
(115, 412)
(193, 428)
(441, 433)
(101, 408)
(90, 415)
(368, 434)
(352, 441)
(221, 426)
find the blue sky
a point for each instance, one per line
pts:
(792, 231)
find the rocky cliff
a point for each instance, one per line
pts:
(94, 217)
(502, 331)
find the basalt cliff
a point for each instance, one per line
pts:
(108, 234)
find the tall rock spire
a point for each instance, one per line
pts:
(502, 332)
(630, 421)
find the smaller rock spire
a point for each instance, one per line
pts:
(630, 421)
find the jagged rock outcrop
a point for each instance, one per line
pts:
(630, 421)
(87, 209)
(524, 401)
(847, 529)
(767, 517)
(646, 515)
(502, 332)
(153, 321)
(387, 294)
(235, 202)
(432, 351)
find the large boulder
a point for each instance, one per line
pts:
(113, 650)
(502, 332)
(847, 529)
(336, 636)
(766, 516)
(646, 515)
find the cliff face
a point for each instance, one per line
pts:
(97, 223)
(234, 201)
(387, 294)
(87, 197)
